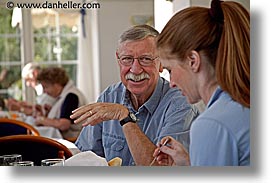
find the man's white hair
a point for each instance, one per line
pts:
(29, 68)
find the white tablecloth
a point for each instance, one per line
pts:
(69, 145)
(45, 131)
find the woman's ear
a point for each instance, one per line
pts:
(194, 61)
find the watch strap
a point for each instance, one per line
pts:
(127, 120)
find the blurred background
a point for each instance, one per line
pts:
(81, 41)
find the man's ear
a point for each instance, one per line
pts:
(194, 61)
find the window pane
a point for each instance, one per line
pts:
(68, 30)
(69, 48)
(10, 49)
(10, 79)
(5, 21)
(55, 44)
(71, 71)
(44, 30)
(9, 38)
(10, 57)
(44, 49)
(47, 45)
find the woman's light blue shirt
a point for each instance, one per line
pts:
(220, 136)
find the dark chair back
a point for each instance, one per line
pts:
(16, 127)
(33, 148)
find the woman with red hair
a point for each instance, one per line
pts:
(207, 51)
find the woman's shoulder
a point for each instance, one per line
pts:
(224, 113)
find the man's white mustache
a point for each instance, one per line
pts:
(137, 77)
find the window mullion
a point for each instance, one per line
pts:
(27, 53)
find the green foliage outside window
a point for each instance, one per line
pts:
(45, 52)
(10, 51)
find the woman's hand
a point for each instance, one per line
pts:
(98, 112)
(173, 153)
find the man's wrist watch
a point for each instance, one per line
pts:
(130, 118)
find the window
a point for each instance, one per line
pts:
(55, 42)
(56, 45)
(10, 59)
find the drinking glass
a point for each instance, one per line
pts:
(2, 161)
(53, 162)
(5, 160)
(22, 163)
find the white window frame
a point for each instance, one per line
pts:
(27, 51)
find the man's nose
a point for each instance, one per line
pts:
(136, 68)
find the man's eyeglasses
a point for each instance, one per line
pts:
(143, 60)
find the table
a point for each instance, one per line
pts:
(45, 131)
(48, 131)
(71, 146)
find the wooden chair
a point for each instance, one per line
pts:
(15, 127)
(33, 148)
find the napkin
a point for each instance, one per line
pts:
(87, 158)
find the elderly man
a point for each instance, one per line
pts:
(132, 116)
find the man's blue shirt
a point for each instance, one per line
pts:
(165, 113)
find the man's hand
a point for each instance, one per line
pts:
(97, 112)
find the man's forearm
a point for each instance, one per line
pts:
(140, 146)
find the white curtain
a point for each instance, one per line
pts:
(88, 56)
(44, 17)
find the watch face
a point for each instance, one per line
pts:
(133, 116)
